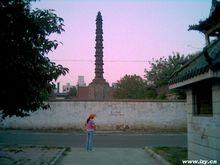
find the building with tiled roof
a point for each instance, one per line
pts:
(200, 78)
(204, 66)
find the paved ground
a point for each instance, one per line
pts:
(108, 156)
(100, 140)
(110, 148)
(16, 154)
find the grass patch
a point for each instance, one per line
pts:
(174, 155)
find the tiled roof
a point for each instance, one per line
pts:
(208, 59)
(211, 21)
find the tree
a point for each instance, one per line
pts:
(161, 70)
(27, 73)
(130, 87)
(71, 93)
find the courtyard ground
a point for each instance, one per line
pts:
(68, 147)
(22, 155)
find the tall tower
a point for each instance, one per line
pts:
(99, 89)
(99, 48)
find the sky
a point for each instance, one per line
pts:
(135, 32)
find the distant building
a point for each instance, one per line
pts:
(55, 90)
(81, 82)
(83, 93)
(114, 85)
(66, 88)
(58, 87)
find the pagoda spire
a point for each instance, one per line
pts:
(99, 89)
(99, 48)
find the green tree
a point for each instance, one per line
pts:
(161, 70)
(130, 87)
(26, 71)
(71, 93)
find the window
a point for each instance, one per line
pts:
(203, 100)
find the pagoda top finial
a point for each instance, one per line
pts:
(99, 16)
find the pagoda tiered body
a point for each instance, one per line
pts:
(99, 49)
(99, 89)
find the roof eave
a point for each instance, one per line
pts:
(208, 75)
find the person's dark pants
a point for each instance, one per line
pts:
(89, 140)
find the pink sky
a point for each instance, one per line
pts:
(134, 31)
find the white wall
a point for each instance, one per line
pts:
(111, 115)
(204, 131)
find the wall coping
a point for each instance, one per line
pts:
(114, 100)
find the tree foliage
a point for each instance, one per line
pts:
(161, 70)
(157, 77)
(71, 93)
(25, 69)
(130, 87)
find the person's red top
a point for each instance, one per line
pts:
(90, 126)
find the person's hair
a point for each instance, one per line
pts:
(88, 120)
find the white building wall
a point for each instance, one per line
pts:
(66, 88)
(204, 131)
(111, 115)
(81, 82)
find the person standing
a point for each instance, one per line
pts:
(90, 128)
